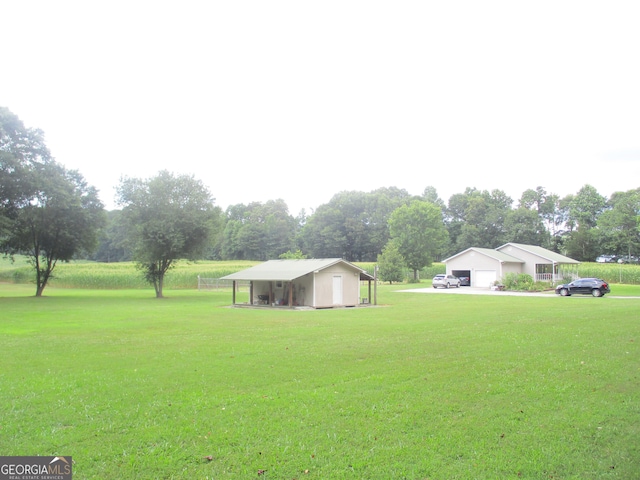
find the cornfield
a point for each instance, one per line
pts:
(125, 275)
(628, 274)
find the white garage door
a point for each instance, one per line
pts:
(484, 278)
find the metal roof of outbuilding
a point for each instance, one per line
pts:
(288, 270)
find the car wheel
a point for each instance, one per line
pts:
(435, 286)
(458, 285)
(596, 293)
(448, 285)
(564, 292)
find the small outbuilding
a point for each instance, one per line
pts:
(484, 266)
(317, 283)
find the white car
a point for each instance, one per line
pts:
(445, 281)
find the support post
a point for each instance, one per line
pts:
(375, 285)
(290, 294)
(233, 302)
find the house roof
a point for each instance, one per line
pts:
(542, 252)
(495, 254)
(288, 270)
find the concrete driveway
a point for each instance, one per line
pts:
(477, 291)
(488, 291)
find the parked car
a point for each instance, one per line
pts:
(627, 259)
(445, 281)
(584, 286)
(465, 281)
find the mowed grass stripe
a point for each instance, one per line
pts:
(426, 386)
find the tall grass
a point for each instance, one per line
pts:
(612, 272)
(185, 275)
(122, 275)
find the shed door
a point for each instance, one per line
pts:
(337, 289)
(484, 278)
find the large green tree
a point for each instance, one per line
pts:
(547, 207)
(619, 225)
(476, 218)
(583, 210)
(419, 232)
(585, 207)
(21, 150)
(169, 217)
(524, 225)
(49, 213)
(112, 241)
(258, 231)
(353, 225)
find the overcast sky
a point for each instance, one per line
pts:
(300, 100)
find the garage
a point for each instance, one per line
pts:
(464, 276)
(485, 266)
(485, 278)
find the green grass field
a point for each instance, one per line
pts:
(425, 386)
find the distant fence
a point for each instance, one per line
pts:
(218, 284)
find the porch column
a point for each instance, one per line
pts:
(233, 288)
(291, 294)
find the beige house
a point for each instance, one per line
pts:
(484, 266)
(317, 283)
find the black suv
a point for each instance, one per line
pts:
(584, 286)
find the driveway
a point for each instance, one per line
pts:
(488, 291)
(477, 291)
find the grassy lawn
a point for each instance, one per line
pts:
(427, 386)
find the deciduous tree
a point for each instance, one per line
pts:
(258, 231)
(391, 263)
(169, 217)
(619, 225)
(50, 214)
(524, 225)
(476, 219)
(420, 234)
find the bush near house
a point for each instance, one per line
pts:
(523, 282)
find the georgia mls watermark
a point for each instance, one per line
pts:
(36, 468)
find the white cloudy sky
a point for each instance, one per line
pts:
(299, 100)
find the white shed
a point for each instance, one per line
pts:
(317, 283)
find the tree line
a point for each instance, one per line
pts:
(51, 214)
(355, 226)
